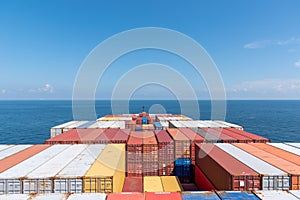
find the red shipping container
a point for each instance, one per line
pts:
(256, 138)
(225, 171)
(202, 182)
(134, 154)
(162, 196)
(150, 147)
(165, 168)
(133, 184)
(220, 135)
(165, 147)
(238, 137)
(121, 136)
(134, 169)
(182, 143)
(125, 196)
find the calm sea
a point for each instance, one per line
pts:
(25, 122)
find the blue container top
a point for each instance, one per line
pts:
(200, 195)
(236, 195)
(183, 161)
(157, 124)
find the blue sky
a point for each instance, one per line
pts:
(255, 44)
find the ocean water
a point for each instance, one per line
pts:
(24, 122)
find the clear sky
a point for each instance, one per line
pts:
(254, 43)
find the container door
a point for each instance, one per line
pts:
(30, 186)
(44, 186)
(75, 186)
(60, 186)
(13, 186)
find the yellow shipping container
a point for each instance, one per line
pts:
(170, 184)
(152, 184)
(107, 174)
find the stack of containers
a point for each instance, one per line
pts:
(209, 138)
(130, 125)
(194, 138)
(224, 171)
(150, 154)
(182, 155)
(74, 125)
(56, 130)
(10, 172)
(134, 154)
(289, 167)
(238, 127)
(69, 179)
(272, 178)
(286, 147)
(107, 174)
(76, 136)
(165, 153)
(40, 179)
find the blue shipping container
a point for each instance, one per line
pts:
(144, 120)
(157, 126)
(236, 195)
(182, 171)
(182, 162)
(200, 195)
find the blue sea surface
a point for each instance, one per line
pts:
(27, 122)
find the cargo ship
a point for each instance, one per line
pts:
(150, 156)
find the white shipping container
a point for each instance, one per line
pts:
(297, 145)
(202, 124)
(272, 177)
(51, 196)
(296, 193)
(164, 124)
(12, 150)
(56, 130)
(10, 179)
(213, 124)
(69, 178)
(230, 124)
(86, 125)
(175, 124)
(85, 196)
(5, 146)
(286, 147)
(73, 126)
(274, 195)
(39, 180)
(14, 197)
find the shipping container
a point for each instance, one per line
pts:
(14, 197)
(165, 153)
(157, 126)
(121, 136)
(125, 196)
(239, 138)
(107, 174)
(235, 126)
(86, 125)
(278, 152)
(10, 180)
(12, 150)
(208, 195)
(176, 124)
(85, 196)
(50, 196)
(170, 184)
(292, 169)
(224, 171)
(181, 142)
(152, 184)
(74, 125)
(134, 154)
(286, 147)
(274, 195)
(40, 179)
(56, 130)
(202, 182)
(150, 154)
(225, 138)
(297, 145)
(256, 138)
(182, 168)
(209, 138)
(20, 156)
(163, 196)
(133, 184)
(272, 178)
(69, 179)
(296, 193)
(5, 146)
(194, 138)
(227, 195)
